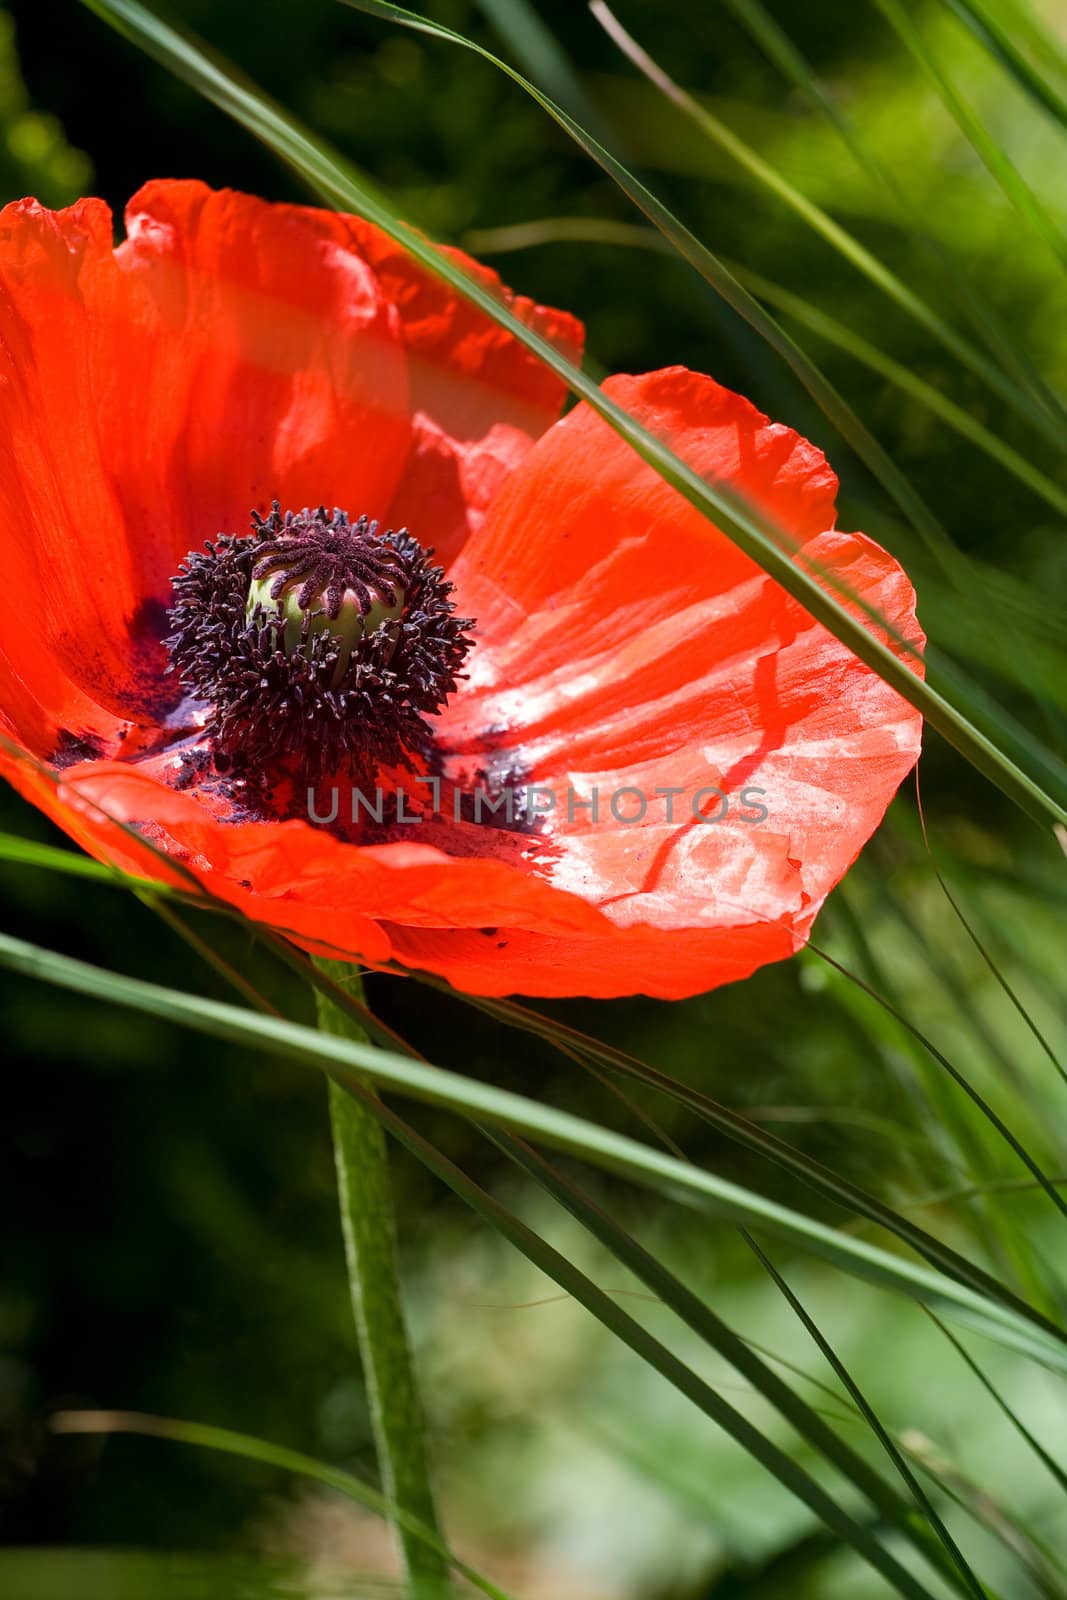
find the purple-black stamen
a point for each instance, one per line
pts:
(321, 646)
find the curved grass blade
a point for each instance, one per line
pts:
(542, 57)
(952, 562)
(867, 448)
(715, 273)
(909, 382)
(1047, 1460)
(987, 1111)
(657, 1355)
(911, 503)
(998, 976)
(820, 222)
(1013, 185)
(727, 286)
(987, 26)
(870, 1416)
(779, 48)
(697, 254)
(206, 1437)
(608, 231)
(749, 1134)
(1023, 1329)
(698, 1316)
(812, 1425)
(582, 1047)
(739, 521)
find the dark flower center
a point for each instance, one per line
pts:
(321, 646)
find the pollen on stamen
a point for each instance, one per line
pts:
(322, 646)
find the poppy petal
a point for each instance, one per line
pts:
(305, 880)
(73, 580)
(265, 362)
(479, 398)
(740, 754)
(625, 961)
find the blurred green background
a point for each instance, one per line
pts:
(170, 1241)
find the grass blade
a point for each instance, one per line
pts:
(607, 231)
(909, 382)
(1013, 185)
(1047, 1460)
(845, 243)
(543, 59)
(986, 25)
(206, 1437)
(869, 1415)
(1023, 1329)
(821, 1179)
(657, 1355)
(998, 976)
(669, 1291)
(779, 48)
(978, 1100)
(698, 1316)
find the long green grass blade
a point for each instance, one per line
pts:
(206, 1437)
(668, 1290)
(607, 231)
(543, 59)
(914, 507)
(1044, 799)
(657, 1355)
(779, 48)
(1048, 1461)
(485, 1103)
(699, 1316)
(909, 382)
(998, 976)
(820, 222)
(959, 1079)
(881, 1433)
(875, 457)
(584, 1048)
(989, 27)
(744, 1131)
(1011, 181)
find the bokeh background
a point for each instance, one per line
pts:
(170, 1240)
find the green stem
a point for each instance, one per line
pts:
(368, 1226)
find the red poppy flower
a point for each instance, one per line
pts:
(644, 775)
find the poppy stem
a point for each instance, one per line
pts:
(369, 1229)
